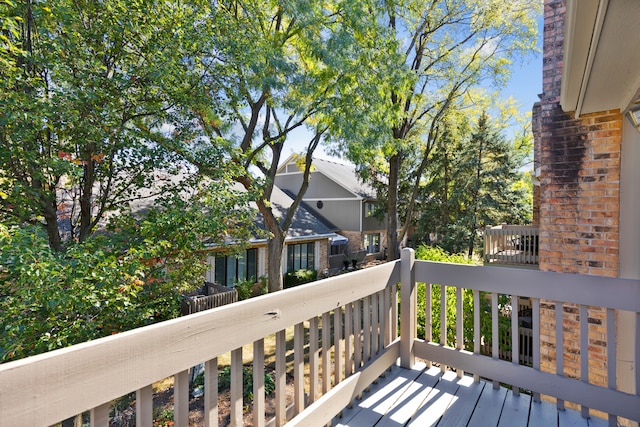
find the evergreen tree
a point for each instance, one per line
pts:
(475, 180)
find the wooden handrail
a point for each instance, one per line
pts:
(571, 291)
(50, 387)
(356, 312)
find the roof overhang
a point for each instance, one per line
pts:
(601, 69)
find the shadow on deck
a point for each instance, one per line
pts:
(426, 397)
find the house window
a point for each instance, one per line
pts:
(369, 209)
(301, 256)
(237, 268)
(338, 249)
(372, 243)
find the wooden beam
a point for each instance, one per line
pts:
(408, 308)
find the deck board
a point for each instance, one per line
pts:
(515, 411)
(461, 410)
(487, 412)
(543, 414)
(380, 399)
(425, 397)
(411, 400)
(439, 399)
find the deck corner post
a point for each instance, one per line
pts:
(407, 308)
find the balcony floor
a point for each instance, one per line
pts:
(425, 397)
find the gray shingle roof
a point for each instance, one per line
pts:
(346, 176)
(305, 224)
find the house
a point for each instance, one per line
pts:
(337, 195)
(587, 151)
(306, 247)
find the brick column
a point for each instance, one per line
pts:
(579, 202)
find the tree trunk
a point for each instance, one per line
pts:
(392, 207)
(275, 247)
(86, 197)
(51, 225)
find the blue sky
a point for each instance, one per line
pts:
(524, 86)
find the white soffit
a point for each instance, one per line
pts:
(602, 55)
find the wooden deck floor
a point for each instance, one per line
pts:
(424, 397)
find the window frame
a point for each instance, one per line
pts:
(372, 240)
(231, 269)
(298, 252)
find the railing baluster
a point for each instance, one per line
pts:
(495, 332)
(144, 406)
(584, 352)
(459, 325)
(387, 318)
(298, 367)
(559, 348)
(337, 345)
(314, 359)
(535, 326)
(428, 315)
(515, 338)
(348, 340)
(258, 383)
(357, 328)
(476, 327)
(181, 398)
(366, 351)
(281, 377)
(100, 415)
(326, 348)
(374, 324)
(611, 358)
(236, 389)
(382, 319)
(211, 393)
(443, 321)
(394, 312)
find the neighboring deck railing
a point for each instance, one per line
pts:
(216, 296)
(511, 244)
(351, 322)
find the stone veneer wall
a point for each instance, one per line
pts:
(578, 202)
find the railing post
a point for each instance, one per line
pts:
(408, 308)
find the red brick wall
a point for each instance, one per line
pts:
(580, 172)
(578, 202)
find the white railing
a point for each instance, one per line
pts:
(558, 294)
(351, 322)
(342, 360)
(511, 244)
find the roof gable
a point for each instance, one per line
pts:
(343, 175)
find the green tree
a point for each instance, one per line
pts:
(474, 180)
(448, 47)
(128, 277)
(268, 68)
(78, 82)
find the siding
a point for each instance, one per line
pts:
(345, 214)
(320, 187)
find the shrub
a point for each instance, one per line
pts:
(244, 289)
(224, 381)
(299, 277)
(434, 253)
(429, 253)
